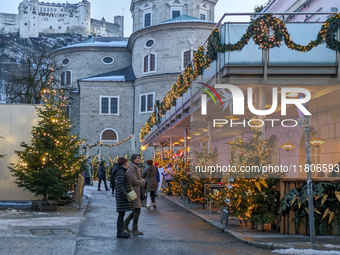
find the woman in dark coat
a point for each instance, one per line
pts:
(102, 175)
(149, 174)
(123, 187)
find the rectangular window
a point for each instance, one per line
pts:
(202, 16)
(114, 105)
(105, 105)
(146, 63)
(68, 78)
(147, 102)
(150, 102)
(109, 105)
(186, 58)
(142, 104)
(147, 20)
(176, 14)
(63, 79)
(152, 62)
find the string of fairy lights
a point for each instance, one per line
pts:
(108, 145)
(267, 32)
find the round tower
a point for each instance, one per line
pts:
(162, 45)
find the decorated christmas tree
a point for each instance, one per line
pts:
(253, 197)
(50, 164)
(195, 188)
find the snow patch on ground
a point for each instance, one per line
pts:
(41, 222)
(332, 246)
(306, 252)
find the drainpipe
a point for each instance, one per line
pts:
(133, 145)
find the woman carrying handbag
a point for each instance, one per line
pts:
(135, 176)
(124, 195)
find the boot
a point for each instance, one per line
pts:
(120, 231)
(122, 234)
(154, 205)
(135, 231)
(126, 227)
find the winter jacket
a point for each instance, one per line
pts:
(135, 176)
(102, 172)
(113, 172)
(158, 179)
(122, 186)
(88, 173)
(149, 174)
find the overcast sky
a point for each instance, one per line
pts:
(110, 8)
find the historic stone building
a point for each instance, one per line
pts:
(308, 6)
(35, 18)
(115, 81)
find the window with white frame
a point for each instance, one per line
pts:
(187, 56)
(109, 135)
(147, 102)
(176, 8)
(176, 12)
(149, 63)
(66, 78)
(147, 14)
(109, 105)
(204, 11)
(147, 19)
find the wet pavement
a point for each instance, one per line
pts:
(169, 229)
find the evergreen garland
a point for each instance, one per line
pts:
(259, 30)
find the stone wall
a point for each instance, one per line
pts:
(87, 61)
(161, 10)
(171, 40)
(9, 23)
(92, 123)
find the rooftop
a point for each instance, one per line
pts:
(185, 18)
(125, 74)
(114, 42)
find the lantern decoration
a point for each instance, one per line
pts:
(287, 146)
(317, 141)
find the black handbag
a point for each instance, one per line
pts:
(143, 194)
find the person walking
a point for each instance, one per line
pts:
(135, 176)
(123, 187)
(158, 179)
(168, 175)
(88, 174)
(102, 175)
(112, 179)
(149, 174)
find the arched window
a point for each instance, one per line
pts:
(187, 56)
(149, 63)
(109, 135)
(66, 78)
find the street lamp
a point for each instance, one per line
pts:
(308, 162)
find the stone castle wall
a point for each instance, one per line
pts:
(36, 17)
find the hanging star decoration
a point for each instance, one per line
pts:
(227, 101)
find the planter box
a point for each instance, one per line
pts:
(40, 205)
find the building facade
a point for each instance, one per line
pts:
(309, 6)
(114, 82)
(35, 18)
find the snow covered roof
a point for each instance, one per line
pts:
(184, 18)
(106, 78)
(125, 74)
(114, 42)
